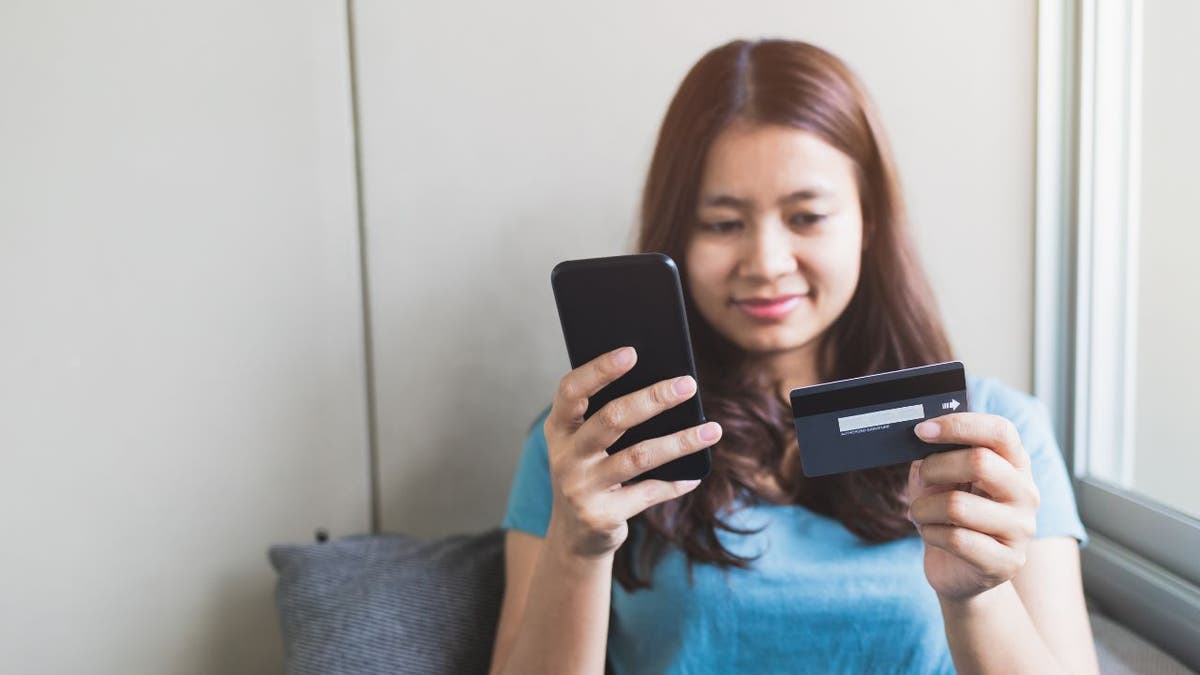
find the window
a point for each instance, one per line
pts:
(1118, 311)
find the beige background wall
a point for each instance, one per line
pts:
(181, 363)
(496, 145)
(181, 368)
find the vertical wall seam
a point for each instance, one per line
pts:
(365, 282)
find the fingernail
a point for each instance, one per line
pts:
(688, 484)
(682, 385)
(916, 469)
(710, 431)
(623, 356)
(928, 430)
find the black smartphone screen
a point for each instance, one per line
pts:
(633, 300)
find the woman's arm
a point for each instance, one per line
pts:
(1010, 603)
(555, 613)
(1051, 589)
(560, 623)
(1036, 623)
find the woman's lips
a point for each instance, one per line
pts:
(770, 309)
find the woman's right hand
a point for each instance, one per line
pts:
(591, 507)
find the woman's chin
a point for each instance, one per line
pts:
(774, 339)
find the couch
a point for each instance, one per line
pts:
(391, 603)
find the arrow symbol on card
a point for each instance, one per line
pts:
(952, 405)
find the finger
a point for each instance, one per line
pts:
(974, 512)
(641, 457)
(918, 489)
(994, 560)
(604, 427)
(989, 431)
(981, 467)
(631, 500)
(577, 386)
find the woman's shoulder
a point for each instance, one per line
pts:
(992, 395)
(1027, 413)
(534, 449)
(535, 434)
(530, 495)
(1057, 514)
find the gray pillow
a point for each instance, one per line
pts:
(390, 603)
(397, 604)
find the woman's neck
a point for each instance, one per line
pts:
(791, 369)
(794, 368)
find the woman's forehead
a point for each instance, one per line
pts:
(770, 164)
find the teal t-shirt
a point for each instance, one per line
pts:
(818, 599)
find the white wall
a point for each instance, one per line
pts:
(181, 364)
(181, 367)
(1168, 363)
(502, 137)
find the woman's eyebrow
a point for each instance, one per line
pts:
(797, 196)
(724, 200)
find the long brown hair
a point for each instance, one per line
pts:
(891, 321)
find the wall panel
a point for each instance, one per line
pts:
(500, 138)
(181, 367)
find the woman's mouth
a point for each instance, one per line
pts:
(769, 309)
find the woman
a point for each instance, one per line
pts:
(773, 189)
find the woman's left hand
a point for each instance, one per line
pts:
(976, 508)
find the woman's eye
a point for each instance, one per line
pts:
(807, 218)
(723, 226)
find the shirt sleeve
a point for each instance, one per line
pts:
(1057, 514)
(531, 495)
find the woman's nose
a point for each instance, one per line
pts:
(768, 252)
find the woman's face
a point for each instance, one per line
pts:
(774, 257)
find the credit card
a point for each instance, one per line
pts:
(868, 421)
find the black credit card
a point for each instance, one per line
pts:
(868, 421)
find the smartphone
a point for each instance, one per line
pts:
(633, 300)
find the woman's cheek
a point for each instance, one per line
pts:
(845, 271)
(837, 271)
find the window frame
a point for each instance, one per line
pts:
(1137, 566)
